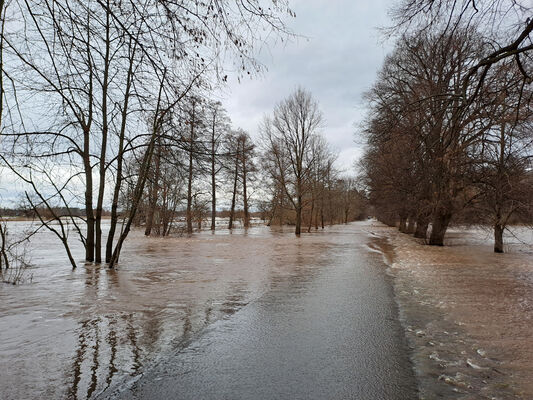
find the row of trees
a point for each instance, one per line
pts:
(291, 170)
(449, 130)
(198, 157)
(88, 86)
(300, 167)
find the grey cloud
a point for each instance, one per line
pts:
(338, 63)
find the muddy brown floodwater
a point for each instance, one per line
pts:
(468, 312)
(82, 333)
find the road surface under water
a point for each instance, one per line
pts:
(257, 314)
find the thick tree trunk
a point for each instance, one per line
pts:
(498, 238)
(403, 223)
(410, 225)
(298, 227)
(421, 230)
(439, 227)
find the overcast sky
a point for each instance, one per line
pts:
(338, 63)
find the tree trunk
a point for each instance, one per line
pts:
(120, 158)
(498, 238)
(89, 243)
(298, 228)
(103, 148)
(233, 198)
(311, 215)
(403, 226)
(244, 189)
(141, 180)
(213, 176)
(153, 193)
(421, 230)
(316, 218)
(281, 208)
(410, 225)
(439, 227)
(213, 191)
(4, 261)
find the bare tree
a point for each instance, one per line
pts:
(218, 122)
(289, 134)
(246, 156)
(506, 24)
(101, 70)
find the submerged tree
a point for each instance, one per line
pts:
(432, 127)
(103, 76)
(288, 140)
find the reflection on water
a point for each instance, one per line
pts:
(72, 334)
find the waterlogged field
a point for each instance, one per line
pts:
(468, 312)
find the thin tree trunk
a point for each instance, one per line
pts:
(4, 261)
(281, 208)
(244, 189)
(3, 21)
(152, 206)
(103, 148)
(498, 225)
(311, 215)
(89, 243)
(213, 176)
(89, 212)
(189, 181)
(233, 198)
(143, 173)
(213, 188)
(317, 213)
(120, 159)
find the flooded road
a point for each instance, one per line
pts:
(257, 314)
